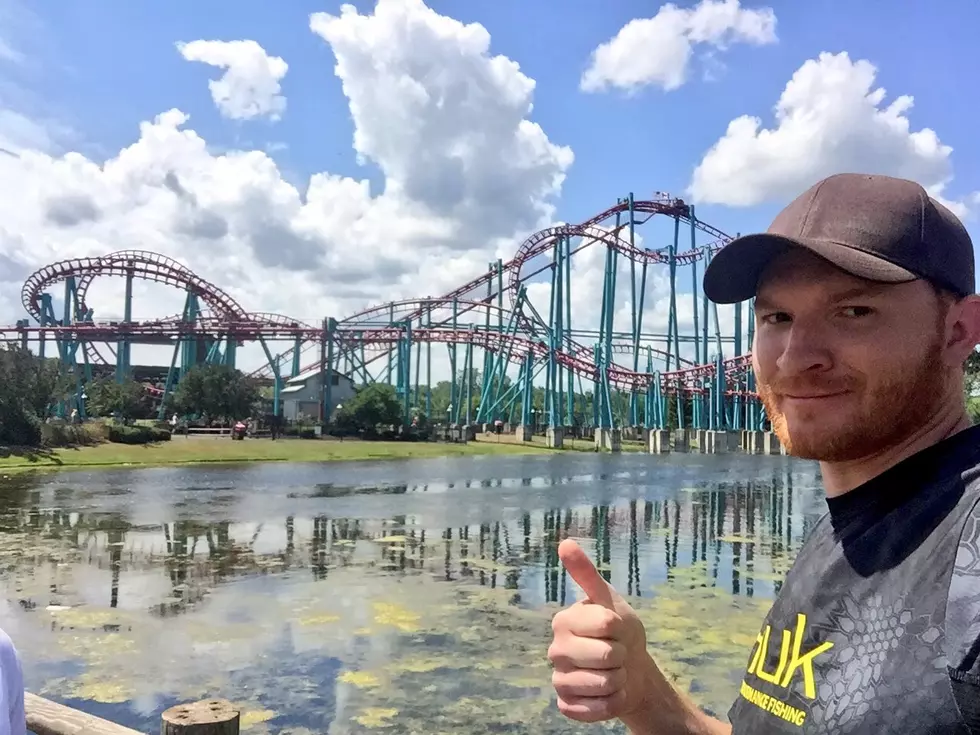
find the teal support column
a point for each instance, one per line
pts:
(417, 386)
(189, 345)
(487, 355)
(277, 376)
(694, 284)
(231, 351)
(405, 372)
(326, 366)
(453, 377)
(428, 370)
(603, 392)
(527, 394)
(638, 307)
(391, 353)
(468, 378)
(123, 347)
(297, 349)
(555, 309)
(738, 329)
(569, 374)
(705, 304)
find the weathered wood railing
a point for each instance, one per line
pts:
(207, 717)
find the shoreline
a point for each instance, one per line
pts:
(203, 451)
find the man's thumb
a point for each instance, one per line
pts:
(583, 571)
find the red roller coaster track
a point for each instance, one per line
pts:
(224, 317)
(142, 264)
(517, 346)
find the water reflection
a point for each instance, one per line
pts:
(413, 592)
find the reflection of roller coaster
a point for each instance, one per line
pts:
(632, 374)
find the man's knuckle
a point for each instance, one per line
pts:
(608, 623)
(554, 652)
(563, 620)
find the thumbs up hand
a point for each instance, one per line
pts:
(599, 650)
(602, 668)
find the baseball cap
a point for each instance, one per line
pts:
(875, 227)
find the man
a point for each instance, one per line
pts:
(865, 315)
(13, 720)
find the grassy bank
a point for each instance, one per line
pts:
(202, 450)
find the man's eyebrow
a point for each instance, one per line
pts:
(870, 290)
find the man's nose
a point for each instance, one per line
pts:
(805, 350)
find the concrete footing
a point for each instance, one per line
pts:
(771, 443)
(658, 441)
(720, 442)
(633, 433)
(701, 440)
(752, 442)
(680, 440)
(609, 440)
(661, 441)
(761, 442)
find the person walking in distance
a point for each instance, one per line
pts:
(13, 719)
(865, 313)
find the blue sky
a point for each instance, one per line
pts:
(109, 64)
(93, 77)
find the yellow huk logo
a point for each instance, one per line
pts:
(791, 658)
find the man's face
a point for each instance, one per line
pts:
(845, 367)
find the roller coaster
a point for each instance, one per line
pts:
(601, 378)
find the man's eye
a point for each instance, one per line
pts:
(774, 317)
(853, 312)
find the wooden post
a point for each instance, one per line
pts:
(208, 717)
(45, 717)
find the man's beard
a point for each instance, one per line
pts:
(892, 408)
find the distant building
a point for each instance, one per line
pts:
(300, 396)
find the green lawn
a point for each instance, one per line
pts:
(199, 450)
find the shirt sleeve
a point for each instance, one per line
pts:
(13, 678)
(963, 623)
(18, 714)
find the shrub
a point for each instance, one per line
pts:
(20, 428)
(137, 434)
(57, 434)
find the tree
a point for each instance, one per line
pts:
(372, 406)
(216, 392)
(971, 385)
(106, 397)
(971, 371)
(29, 386)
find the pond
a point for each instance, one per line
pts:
(403, 596)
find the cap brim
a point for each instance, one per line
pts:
(734, 272)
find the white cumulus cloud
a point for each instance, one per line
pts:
(249, 87)
(446, 121)
(467, 176)
(658, 50)
(829, 118)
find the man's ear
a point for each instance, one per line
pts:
(963, 329)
